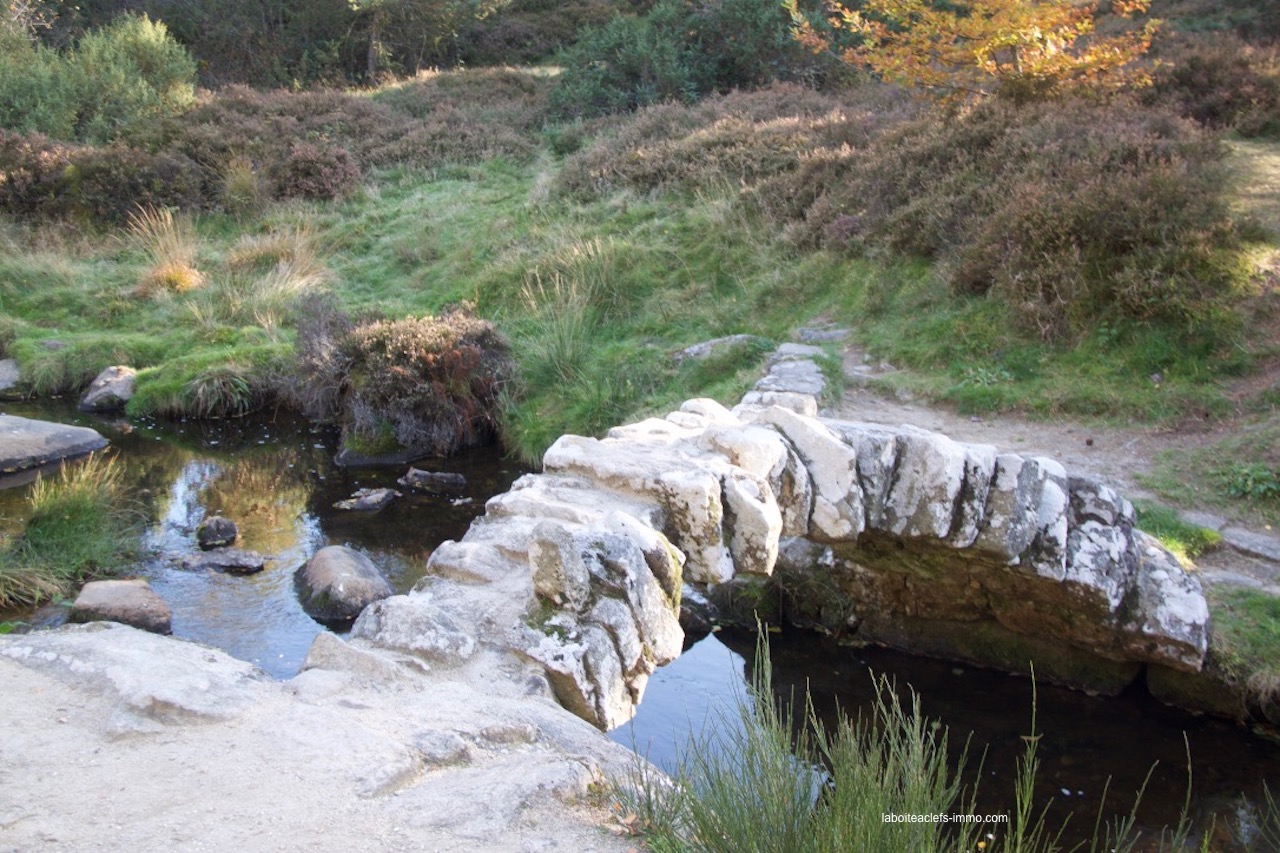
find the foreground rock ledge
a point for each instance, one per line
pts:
(27, 443)
(128, 740)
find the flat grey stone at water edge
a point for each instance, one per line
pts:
(27, 443)
(9, 374)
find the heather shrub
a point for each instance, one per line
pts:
(736, 140)
(426, 122)
(507, 97)
(107, 184)
(1223, 83)
(1068, 212)
(432, 383)
(316, 172)
(43, 178)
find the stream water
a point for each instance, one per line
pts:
(276, 478)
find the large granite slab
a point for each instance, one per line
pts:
(27, 443)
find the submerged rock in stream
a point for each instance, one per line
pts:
(216, 532)
(368, 500)
(230, 560)
(338, 583)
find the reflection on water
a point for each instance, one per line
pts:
(275, 478)
(1086, 741)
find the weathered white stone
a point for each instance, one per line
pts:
(664, 560)
(927, 481)
(473, 562)
(709, 409)
(656, 430)
(417, 625)
(795, 352)
(559, 574)
(618, 568)
(1100, 564)
(971, 509)
(1171, 620)
(1013, 506)
(763, 452)
(1048, 553)
(685, 488)
(695, 514)
(754, 401)
(1091, 500)
(838, 512)
(754, 522)
(156, 678)
(616, 618)
(614, 705)
(755, 449)
(876, 449)
(793, 377)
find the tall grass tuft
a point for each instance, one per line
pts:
(170, 245)
(243, 188)
(79, 529)
(773, 782)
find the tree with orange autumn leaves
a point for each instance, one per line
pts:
(1020, 48)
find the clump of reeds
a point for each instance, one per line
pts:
(79, 529)
(170, 245)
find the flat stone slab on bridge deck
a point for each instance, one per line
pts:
(27, 443)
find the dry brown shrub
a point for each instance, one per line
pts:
(1069, 212)
(734, 140)
(433, 383)
(1221, 82)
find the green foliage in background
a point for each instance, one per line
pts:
(681, 51)
(114, 80)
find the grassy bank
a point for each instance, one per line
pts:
(602, 248)
(79, 529)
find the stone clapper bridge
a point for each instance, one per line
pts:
(896, 536)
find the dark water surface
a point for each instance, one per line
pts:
(275, 477)
(1084, 740)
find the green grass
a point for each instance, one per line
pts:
(79, 529)
(773, 781)
(1246, 640)
(594, 295)
(1239, 474)
(1185, 541)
